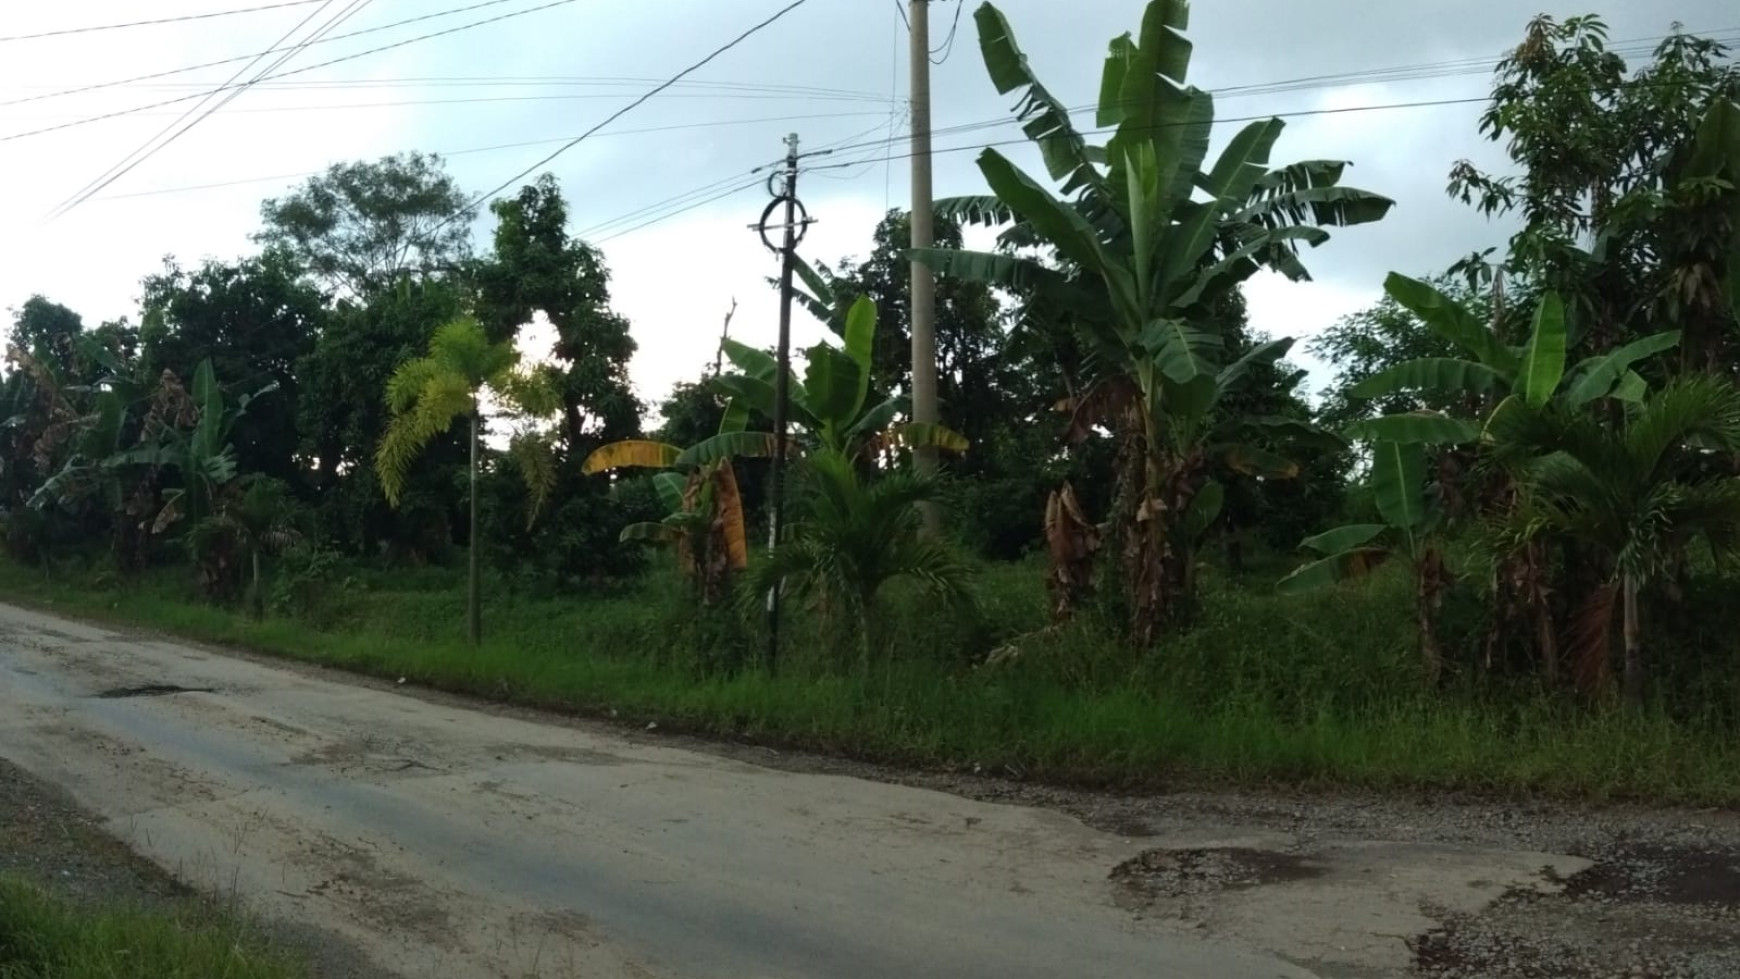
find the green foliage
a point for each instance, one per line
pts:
(44, 937)
(360, 227)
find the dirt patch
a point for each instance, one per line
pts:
(1191, 873)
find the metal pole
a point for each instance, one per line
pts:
(924, 394)
(781, 387)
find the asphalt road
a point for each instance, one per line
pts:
(464, 843)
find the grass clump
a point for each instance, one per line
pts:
(43, 937)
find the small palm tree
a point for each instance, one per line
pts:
(1636, 494)
(852, 536)
(428, 394)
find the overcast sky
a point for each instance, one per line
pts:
(555, 72)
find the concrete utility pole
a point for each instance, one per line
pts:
(923, 299)
(797, 221)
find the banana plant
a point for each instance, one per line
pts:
(1497, 375)
(828, 405)
(1412, 518)
(705, 521)
(1161, 236)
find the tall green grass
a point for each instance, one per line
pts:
(42, 937)
(1305, 690)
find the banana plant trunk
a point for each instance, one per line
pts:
(1158, 564)
(257, 598)
(1634, 667)
(1428, 599)
(474, 570)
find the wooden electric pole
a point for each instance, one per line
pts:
(923, 298)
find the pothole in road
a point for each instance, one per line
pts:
(151, 690)
(1669, 874)
(1185, 873)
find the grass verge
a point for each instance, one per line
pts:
(42, 937)
(1307, 691)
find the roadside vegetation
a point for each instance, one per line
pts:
(45, 937)
(1492, 556)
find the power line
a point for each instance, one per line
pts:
(528, 81)
(295, 71)
(688, 201)
(751, 185)
(948, 47)
(158, 192)
(1340, 110)
(498, 99)
(145, 149)
(161, 20)
(148, 150)
(245, 57)
(642, 100)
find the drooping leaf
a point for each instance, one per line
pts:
(1543, 359)
(1398, 483)
(983, 210)
(860, 343)
(1632, 388)
(1204, 509)
(1344, 538)
(736, 416)
(535, 458)
(1181, 350)
(1059, 224)
(1253, 461)
(1414, 427)
(1597, 376)
(921, 435)
(831, 383)
(729, 445)
(670, 487)
(653, 533)
(1333, 570)
(1232, 376)
(758, 364)
(1451, 320)
(641, 453)
(992, 268)
(1438, 375)
(1297, 432)
(1044, 118)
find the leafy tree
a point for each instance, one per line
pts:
(46, 329)
(428, 394)
(1616, 216)
(1133, 225)
(255, 320)
(537, 267)
(341, 417)
(360, 227)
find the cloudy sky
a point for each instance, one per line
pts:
(665, 191)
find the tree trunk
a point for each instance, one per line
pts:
(1634, 668)
(474, 572)
(258, 600)
(1429, 596)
